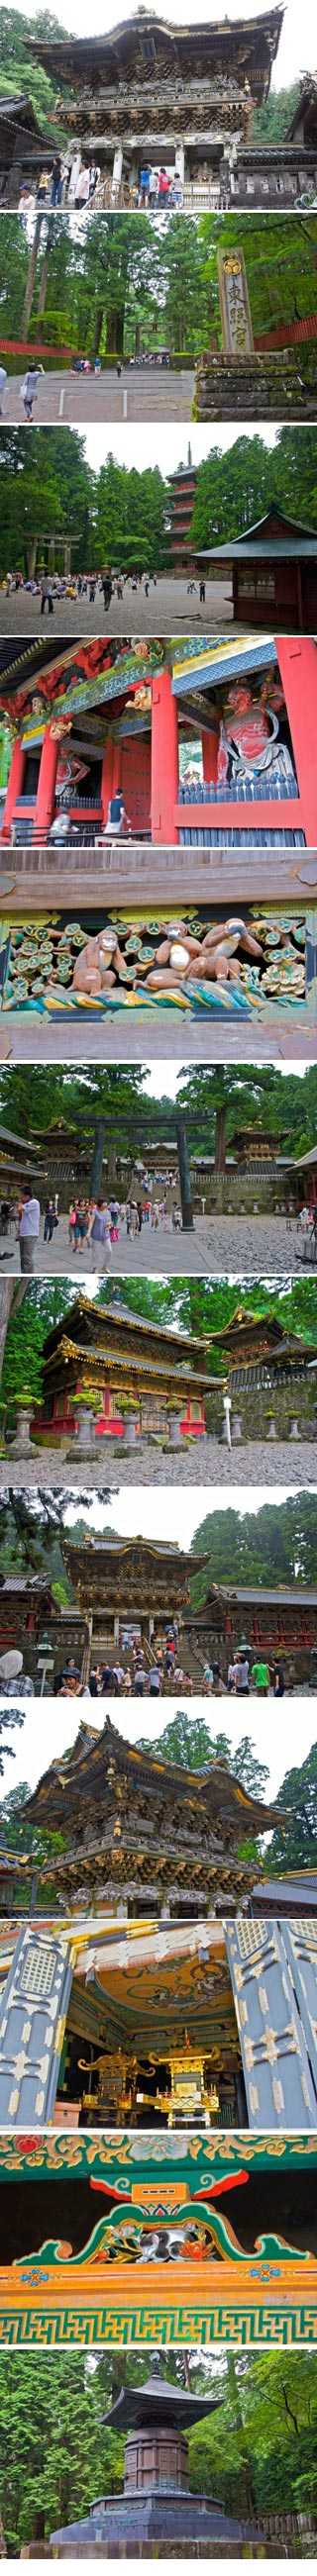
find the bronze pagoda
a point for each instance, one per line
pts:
(157, 2508)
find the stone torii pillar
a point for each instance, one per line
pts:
(184, 1176)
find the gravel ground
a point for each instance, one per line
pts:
(205, 1464)
(167, 611)
(248, 1247)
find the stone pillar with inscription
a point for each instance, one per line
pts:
(237, 334)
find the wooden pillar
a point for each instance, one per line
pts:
(87, 1651)
(45, 801)
(164, 760)
(297, 660)
(210, 747)
(116, 767)
(14, 788)
(106, 778)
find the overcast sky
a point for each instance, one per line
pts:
(163, 444)
(164, 1079)
(297, 47)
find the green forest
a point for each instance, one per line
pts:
(18, 67)
(256, 2452)
(215, 1103)
(121, 517)
(118, 284)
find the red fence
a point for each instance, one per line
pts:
(288, 335)
(36, 349)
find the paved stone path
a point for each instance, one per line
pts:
(206, 1462)
(241, 1247)
(146, 393)
(167, 611)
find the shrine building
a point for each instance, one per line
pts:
(153, 94)
(157, 2025)
(131, 1607)
(123, 1371)
(274, 571)
(107, 1373)
(139, 1827)
(150, 95)
(91, 721)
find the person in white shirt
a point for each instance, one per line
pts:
(29, 1227)
(28, 391)
(3, 385)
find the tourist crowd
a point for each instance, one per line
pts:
(93, 1224)
(150, 1673)
(69, 183)
(49, 588)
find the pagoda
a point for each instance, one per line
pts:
(123, 1372)
(156, 2506)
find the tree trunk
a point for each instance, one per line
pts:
(31, 275)
(43, 279)
(184, 1175)
(98, 330)
(11, 1293)
(116, 333)
(220, 1139)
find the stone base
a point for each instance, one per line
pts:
(251, 388)
(146, 2525)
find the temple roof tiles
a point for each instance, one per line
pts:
(238, 41)
(114, 1545)
(119, 1313)
(105, 1360)
(159, 2402)
(213, 1788)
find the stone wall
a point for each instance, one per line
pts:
(254, 387)
(247, 1192)
(266, 1412)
